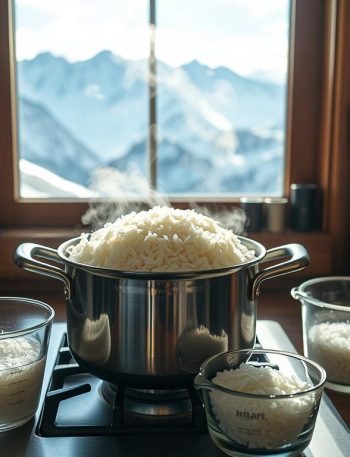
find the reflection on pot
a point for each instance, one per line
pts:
(93, 342)
(248, 327)
(196, 345)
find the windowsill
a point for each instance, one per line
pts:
(319, 246)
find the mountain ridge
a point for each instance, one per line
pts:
(215, 115)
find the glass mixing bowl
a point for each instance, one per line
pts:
(25, 326)
(325, 309)
(250, 423)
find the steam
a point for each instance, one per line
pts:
(123, 192)
(120, 193)
(230, 218)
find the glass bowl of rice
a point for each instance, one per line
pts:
(325, 308)
(260, 402)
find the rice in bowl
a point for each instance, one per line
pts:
(161, 239)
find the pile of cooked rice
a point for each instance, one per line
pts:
(329, 345)
(264, 423)
(162, 239)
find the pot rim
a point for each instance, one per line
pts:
(258, 248)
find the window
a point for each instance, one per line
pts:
(316, 141)
(216, 74)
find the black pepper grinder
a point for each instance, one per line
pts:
(305, 207)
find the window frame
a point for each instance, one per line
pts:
(43, 211)
(315, 131)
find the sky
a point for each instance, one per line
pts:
(248, 36)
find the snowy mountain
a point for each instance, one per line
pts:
(95, 112)
(102, 101)
(193, 174)
(245, 102)
(38, 182)
(173, 159)
(45, 142)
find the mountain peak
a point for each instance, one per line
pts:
(197, 71)
(194, 65)
(226, 72)
(106, 56)
(44, 58)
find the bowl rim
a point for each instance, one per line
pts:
(33, 328)
(207, 384)
(300, 294)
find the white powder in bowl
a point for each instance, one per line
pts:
(329, 345)
(162, 239)
(21, 375)
(261, 423)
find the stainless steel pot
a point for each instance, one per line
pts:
(153, 330)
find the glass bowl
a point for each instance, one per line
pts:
(326, 326)
(25, 326)
(245, 424)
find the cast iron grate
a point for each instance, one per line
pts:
(57, 393)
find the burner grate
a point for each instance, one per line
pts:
(115, 421)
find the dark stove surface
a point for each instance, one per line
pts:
(94, 430)
(79, 404)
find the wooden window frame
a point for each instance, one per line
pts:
(316, 141)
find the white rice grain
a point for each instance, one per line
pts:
(329, 345)
(262, 423)
(161, 240)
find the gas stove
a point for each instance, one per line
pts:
(82, 416)
(79, 404)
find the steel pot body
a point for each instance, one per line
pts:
(154, 330)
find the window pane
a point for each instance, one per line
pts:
(221, 103)
(82, 87)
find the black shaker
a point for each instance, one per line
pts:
(305, 207)
(253, 208)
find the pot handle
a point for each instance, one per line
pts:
(25, 258)
(299, 259)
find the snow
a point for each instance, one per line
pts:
(37, 182)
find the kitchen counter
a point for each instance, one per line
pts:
(273, 305)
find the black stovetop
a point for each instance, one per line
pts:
(75, 420)
(79, 404)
